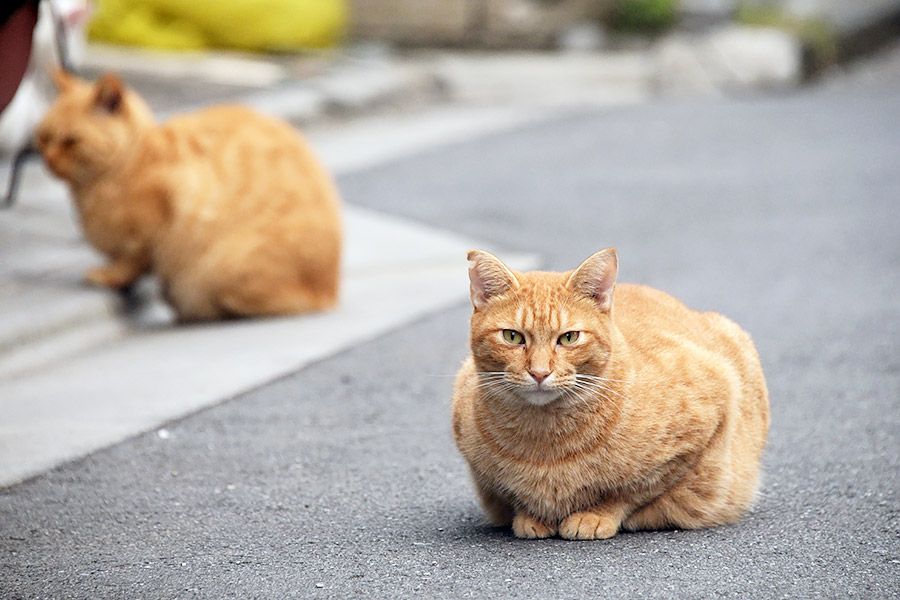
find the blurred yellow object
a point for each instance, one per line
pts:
(257, 25)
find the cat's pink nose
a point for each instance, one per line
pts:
(539, 375)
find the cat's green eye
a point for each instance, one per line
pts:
(568, 338)
(513, 337)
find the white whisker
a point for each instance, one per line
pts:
(600, 387)
(596, 378)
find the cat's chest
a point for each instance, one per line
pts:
(527, 462)
(552, 477)
(554, 489)
(104, 217)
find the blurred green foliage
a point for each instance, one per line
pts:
(645, 16)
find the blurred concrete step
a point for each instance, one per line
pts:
(44, 327)
(550, 79)
(299, 88)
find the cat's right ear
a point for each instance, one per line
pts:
(108, 93)
(488, 277)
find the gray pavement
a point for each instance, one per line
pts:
(341, 480)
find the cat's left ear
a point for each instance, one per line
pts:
(596, 277)
(108, 93)
(63, 81)
(488, 277)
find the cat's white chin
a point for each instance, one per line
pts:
(540, 397)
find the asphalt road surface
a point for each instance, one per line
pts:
(341, 480)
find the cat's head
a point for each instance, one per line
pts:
(542, 337)
(91, 127)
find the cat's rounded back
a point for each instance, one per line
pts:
(254, 225)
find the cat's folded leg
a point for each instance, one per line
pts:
(596, 523)
(499, 511)
(651, 516)
(118, 274)
(526, 526)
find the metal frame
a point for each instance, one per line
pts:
(28, 151)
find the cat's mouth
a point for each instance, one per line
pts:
(539, 395)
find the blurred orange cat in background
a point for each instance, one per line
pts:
(228, 208)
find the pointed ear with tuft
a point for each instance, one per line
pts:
(488, 277)
(63, 81)
(596, 277)
(108, 93)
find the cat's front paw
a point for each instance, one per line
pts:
(588, 525)
(109, 277)
(525, 526)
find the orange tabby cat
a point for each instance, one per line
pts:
(589, 407)
(230, 209)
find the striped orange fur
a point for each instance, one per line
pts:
(228, 208)
(617, 408)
